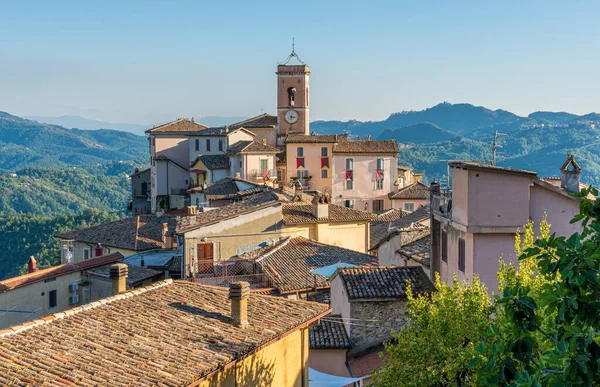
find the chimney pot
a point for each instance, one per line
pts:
(570, 178)
(118, 276)
(321, 206)
(32, 265)
(238, 294)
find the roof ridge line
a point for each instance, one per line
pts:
(69, 312)
(284, 243)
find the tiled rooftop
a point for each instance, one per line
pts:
(329, 334)
(247, 205)
(383, 231)
(383, 282)
(219, 131)
(168, 334)
(57, 271)
(289, 262)
(261, 121)
(215, 161)
(367, 146)
(181, 125)
(227, 188)
(418, 251)
(122, 233)
(135, 274)
(482, 167)
(302, 213)
(417, 191)
(389, 215)
(316, 138)
(252, 147)
(368, 361)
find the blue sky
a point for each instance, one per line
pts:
(152, 61)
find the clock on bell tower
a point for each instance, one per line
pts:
(293, 106)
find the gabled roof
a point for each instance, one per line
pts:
(390, 215)
(172, 333)
(416, 191)
(219, 161)
(302, 213)
(314, 138)
(367, 146)
(247, 205)
(261, 121)
(135, 274)
(329, 334)
(289, 262)
(418, 251)
(122, 233)
(251, 147)
(375, 283)
(147, 170)
(57, 271)
(409, 225)
(221, 131)
(227, 188)
(181, 125)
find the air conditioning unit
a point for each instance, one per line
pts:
(74, 299)
(73, 287)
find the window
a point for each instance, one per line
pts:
(349, 173)
(52, 299)
(379, 174)
(377, 205)
(445, 246)
(409, 207)
(302, 174)
(264, 166)
(241, 163)
(197, 145)
(300, 152)
(379, 184)
(208, 145)
(461, 255)
(324, 151)
(220, 145)
(348, 203)
(324, 174)
(87, 252)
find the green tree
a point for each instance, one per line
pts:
(547, 328)
(437, 346)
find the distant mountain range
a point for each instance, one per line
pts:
(539, 142)
(79, 122)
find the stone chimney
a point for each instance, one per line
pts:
(321, 206)
(238, 294)
(237, 175)
(264, 141)
(569, 180)
(32, 265)
(226, 128)
(118, 276)
(191, 210)
(368, 138)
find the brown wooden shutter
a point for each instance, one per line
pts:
(205, 258)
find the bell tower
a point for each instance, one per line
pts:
(293, 104)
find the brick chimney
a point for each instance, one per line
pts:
(569, 180)
(118, 276)
(99, 250)
(238, 294)
(32, 265)
(191, 210)
(321, 206)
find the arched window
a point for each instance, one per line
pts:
(292, 95)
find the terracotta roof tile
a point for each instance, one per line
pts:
(417, 191)
(383, 282)
(367, 146)
(383, 231)
(135, 274)
(215, 161)
(389, 215)
(122, 233)
(261, 121)
(302, 213)
(481, 167)
(170, 334)
(57, 271)
(227, 188)
(289, 262)
(418, 251)
(247, 205)
(181, 125)
(251, 147)
(368, 361)
(316, 138)
(329, 334)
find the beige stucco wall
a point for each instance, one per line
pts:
(329, 361)
(387, 252)
(349, 235)
(252, 166)
(174, 146)
(448, 269)
(35, 297)
(487, 251)
(399, 203)
(312, 163)
(339, 301)
(283, 363)
(560, 210)
(78, 248)
(364, 189)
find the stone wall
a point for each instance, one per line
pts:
(373, 321)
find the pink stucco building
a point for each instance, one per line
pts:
(475, 225)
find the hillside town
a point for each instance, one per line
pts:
(264, 253)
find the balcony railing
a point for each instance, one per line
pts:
(259, 174)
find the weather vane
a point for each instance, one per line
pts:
(293, 54)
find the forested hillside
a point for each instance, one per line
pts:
(26, 235)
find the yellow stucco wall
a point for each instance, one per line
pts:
(78, 248)
(283, 363)
(312, 163)
(349, 235)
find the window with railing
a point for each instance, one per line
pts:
(349, 173)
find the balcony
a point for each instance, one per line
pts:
(259, 175)
(141, 194)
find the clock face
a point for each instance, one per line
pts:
(291, 116)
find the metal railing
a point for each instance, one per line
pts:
(258, 174)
